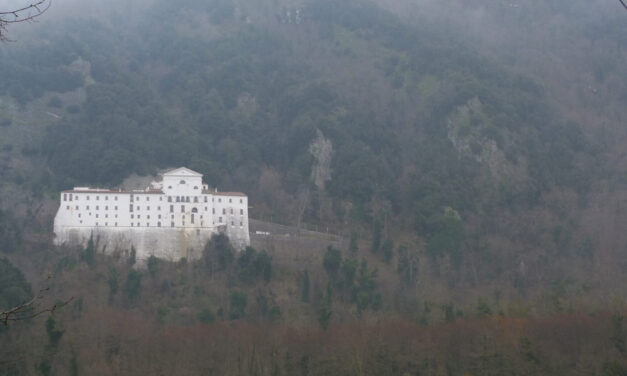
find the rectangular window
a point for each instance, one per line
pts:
(87, 198)
(87, 207)
(106, 208)
(132, 224)
(148, 208)
(147, 224)
(241, 211)
(97, 198)
(116, 208)
(192, 218)
(67, 207)
(138, 225)
(241, 201)
(178, 199)
(106, 198)
(171, 208)
(132, 216)
(241, 224)
(139, 216)
(169, 198)
(160, 198)
(158, 224)
(148, 198)
(213, 210)
(148, 216)
(137, 207)
(106, 215)
(205, 208)
(205, 198)
(96, 215)
(158, 208)
(106, 223)
(76, 207)
(79, 215)
(70, 197)
(220, 219)
(97, 207)
(195, 199)
(231, 210)
(96, 223)
(223, 211)
(182, 208)
(116, 224)
(219, 200)
(159, 216)
(65, 197)
(230, 201)
(76, 197)
(171, 224)
(115, 198)
(130, 207)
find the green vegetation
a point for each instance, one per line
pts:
(237, 304)
(476, 178)
(133, 285)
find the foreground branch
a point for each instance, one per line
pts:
(24, 14)
(29, 309)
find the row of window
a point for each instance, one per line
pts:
(70, 196)
(194, 210)
(87, 207)
(76, 197)
(133, 224)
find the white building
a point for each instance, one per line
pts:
(172, 219)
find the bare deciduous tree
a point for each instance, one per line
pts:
(24, 14)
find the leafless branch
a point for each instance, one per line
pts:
(624, 4)
(24, 14)
(29, 309)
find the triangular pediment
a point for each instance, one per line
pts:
(182, 171)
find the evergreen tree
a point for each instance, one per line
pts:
(332, 261)
(377, 229)
(237, 306)
(304, 297)
(133, 285)
(388, 250)
(89, 252)
(352, 246)
(153, 265)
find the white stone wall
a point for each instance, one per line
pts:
(170, 223)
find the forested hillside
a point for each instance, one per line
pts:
(471, 153)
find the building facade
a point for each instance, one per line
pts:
(171, 219)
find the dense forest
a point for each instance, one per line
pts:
(473, 165)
